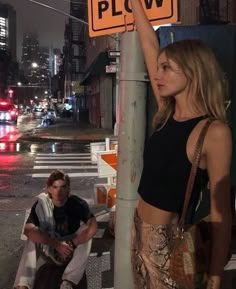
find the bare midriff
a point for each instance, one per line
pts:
(155, 216)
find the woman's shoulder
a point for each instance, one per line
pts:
(219, 129)
(218, 137)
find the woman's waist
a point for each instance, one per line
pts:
(154, 215)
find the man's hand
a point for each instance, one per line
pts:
(63, 249)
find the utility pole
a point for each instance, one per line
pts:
(132, 104)
(116, 127)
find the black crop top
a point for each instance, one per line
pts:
(166, 167)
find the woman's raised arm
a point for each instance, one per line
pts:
(149, 43)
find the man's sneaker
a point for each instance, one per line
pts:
(66, 285)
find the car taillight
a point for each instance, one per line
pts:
(12, 112)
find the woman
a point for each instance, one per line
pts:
(189, 88)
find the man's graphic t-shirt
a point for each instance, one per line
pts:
(68, 217)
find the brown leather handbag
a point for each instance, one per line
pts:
(190, 246)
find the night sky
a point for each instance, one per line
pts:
(48, 24)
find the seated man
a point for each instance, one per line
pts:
(54, 232)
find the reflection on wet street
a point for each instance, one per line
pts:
(52, 147)
(6, 129)
(11, 132)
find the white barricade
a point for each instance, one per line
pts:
(107, 163)
(95, 147)
(107, 168)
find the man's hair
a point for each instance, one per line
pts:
(206, 81)
(58, 175)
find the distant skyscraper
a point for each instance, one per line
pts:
(44, 69)
(31, 58)
(57, 61)
(8, 29)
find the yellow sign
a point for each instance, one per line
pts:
(113, 16)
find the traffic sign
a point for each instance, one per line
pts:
(113, 16)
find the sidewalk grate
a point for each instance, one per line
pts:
(95, 267)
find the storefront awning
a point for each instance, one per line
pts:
(97, 67)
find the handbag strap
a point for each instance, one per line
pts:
(191, 179)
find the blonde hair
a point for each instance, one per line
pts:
(207, 86)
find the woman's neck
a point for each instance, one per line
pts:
(184, 111)
(183, 117)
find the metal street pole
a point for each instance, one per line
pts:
(132, 104)
(116, 127)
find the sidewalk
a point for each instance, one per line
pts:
(67, 129)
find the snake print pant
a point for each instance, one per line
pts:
(150, 255)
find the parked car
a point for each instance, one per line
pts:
(8, 112)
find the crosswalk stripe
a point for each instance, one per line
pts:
(59, 158)
(62, 155)
(63, 167)
(63, 162)
(76, 164)
(71, 175)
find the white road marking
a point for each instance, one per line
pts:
(62, 162)
(62, 167)
(62, 155)
(64, 158)
(71, 175)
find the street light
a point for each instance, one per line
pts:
(19, 83)
(34, 65)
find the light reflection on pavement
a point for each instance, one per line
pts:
(11, 132)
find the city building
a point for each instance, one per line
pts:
(56, 60)
(30, 58)
(8, 29)
(86, 79)
(100, 81)
(206, 12)
(74, 58)
(8, 65)
(44, 68)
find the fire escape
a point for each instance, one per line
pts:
(214, 12)
(78, 9)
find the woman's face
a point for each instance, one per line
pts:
(59, 193)
(170, 78)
